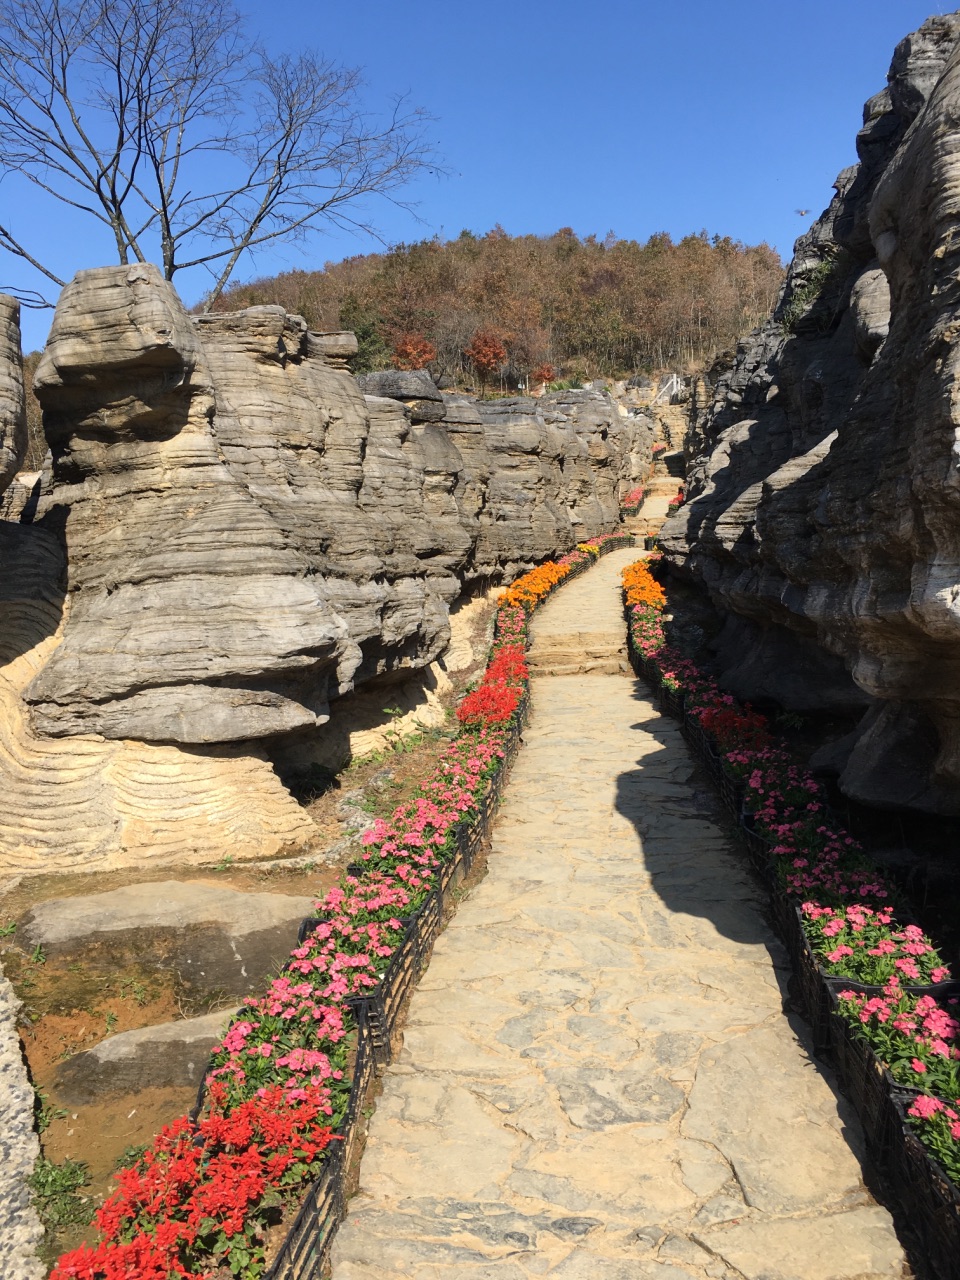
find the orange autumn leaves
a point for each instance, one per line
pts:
(642, 588)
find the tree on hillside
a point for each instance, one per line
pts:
(487, 354)
(413, 351)
(185, 140)
(588, 307)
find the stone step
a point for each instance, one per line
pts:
(611, 666)
(548, 652)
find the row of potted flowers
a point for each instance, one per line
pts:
(630, 503)
(277, 1098)
(873, 982)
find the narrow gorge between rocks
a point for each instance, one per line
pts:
(529, 820)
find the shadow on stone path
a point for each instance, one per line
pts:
(598, 1081)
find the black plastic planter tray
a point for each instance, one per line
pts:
(930, 1199)
(306, 1247)
(759, 847)
(305, 1250)
(818, 988)
(671, 702)
(863, 1077)
(731, 792)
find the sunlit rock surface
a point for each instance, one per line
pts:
(231, 533)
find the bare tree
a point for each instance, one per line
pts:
(162, 121)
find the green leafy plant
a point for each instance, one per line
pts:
(55, 1190)
(7, 930)
(43, 1113)
(821, 283)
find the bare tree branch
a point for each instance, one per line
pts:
(162, 121)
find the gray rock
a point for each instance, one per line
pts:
(247, 537)
(216, 938)
(823, 512)
(171, 1055)
(13, 412)
(21, 1232)
(399, 384)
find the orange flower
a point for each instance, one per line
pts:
(641, 588)
(534, 586)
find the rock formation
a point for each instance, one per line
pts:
(13, 417)
(824, 506)
(230, 535)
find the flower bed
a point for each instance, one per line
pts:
(276, 1117)
(873, 985)
(631, 502)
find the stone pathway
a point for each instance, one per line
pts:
(597, 1080)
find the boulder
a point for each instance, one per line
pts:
(217, 939)
(400, 384)
(173, 1055)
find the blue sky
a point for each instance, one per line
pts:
(630, 117)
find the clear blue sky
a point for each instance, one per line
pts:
(619, 115)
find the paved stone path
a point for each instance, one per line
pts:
(597, 1080)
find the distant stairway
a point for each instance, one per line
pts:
(580, 653)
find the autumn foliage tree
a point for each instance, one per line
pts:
(487, 354)
(589, 307)
(413, 351)
(542, 373)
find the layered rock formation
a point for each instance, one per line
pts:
(824, 511)
(13, 417)
(232, 535)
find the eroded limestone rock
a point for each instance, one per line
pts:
(230, 535)
(13, 416)
(825, 503)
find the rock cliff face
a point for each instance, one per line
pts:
(13, 417)
(824, 511)
(232, 535)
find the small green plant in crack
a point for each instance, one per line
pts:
(56, 1195)
(131, 987)
(9, 929)
(821, 284)
(44, 1113)
(395, 738)
(37, 955)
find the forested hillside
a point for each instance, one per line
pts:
(585, 307)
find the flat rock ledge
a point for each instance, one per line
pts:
(217, 938)
(171, 1055)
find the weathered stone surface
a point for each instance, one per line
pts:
(859, 1243)
(400, 384)
(13, 417)
(216, 938)
(824, 504)
(171, 1055)
(21, 1232)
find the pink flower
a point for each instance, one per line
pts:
(918, 1066)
